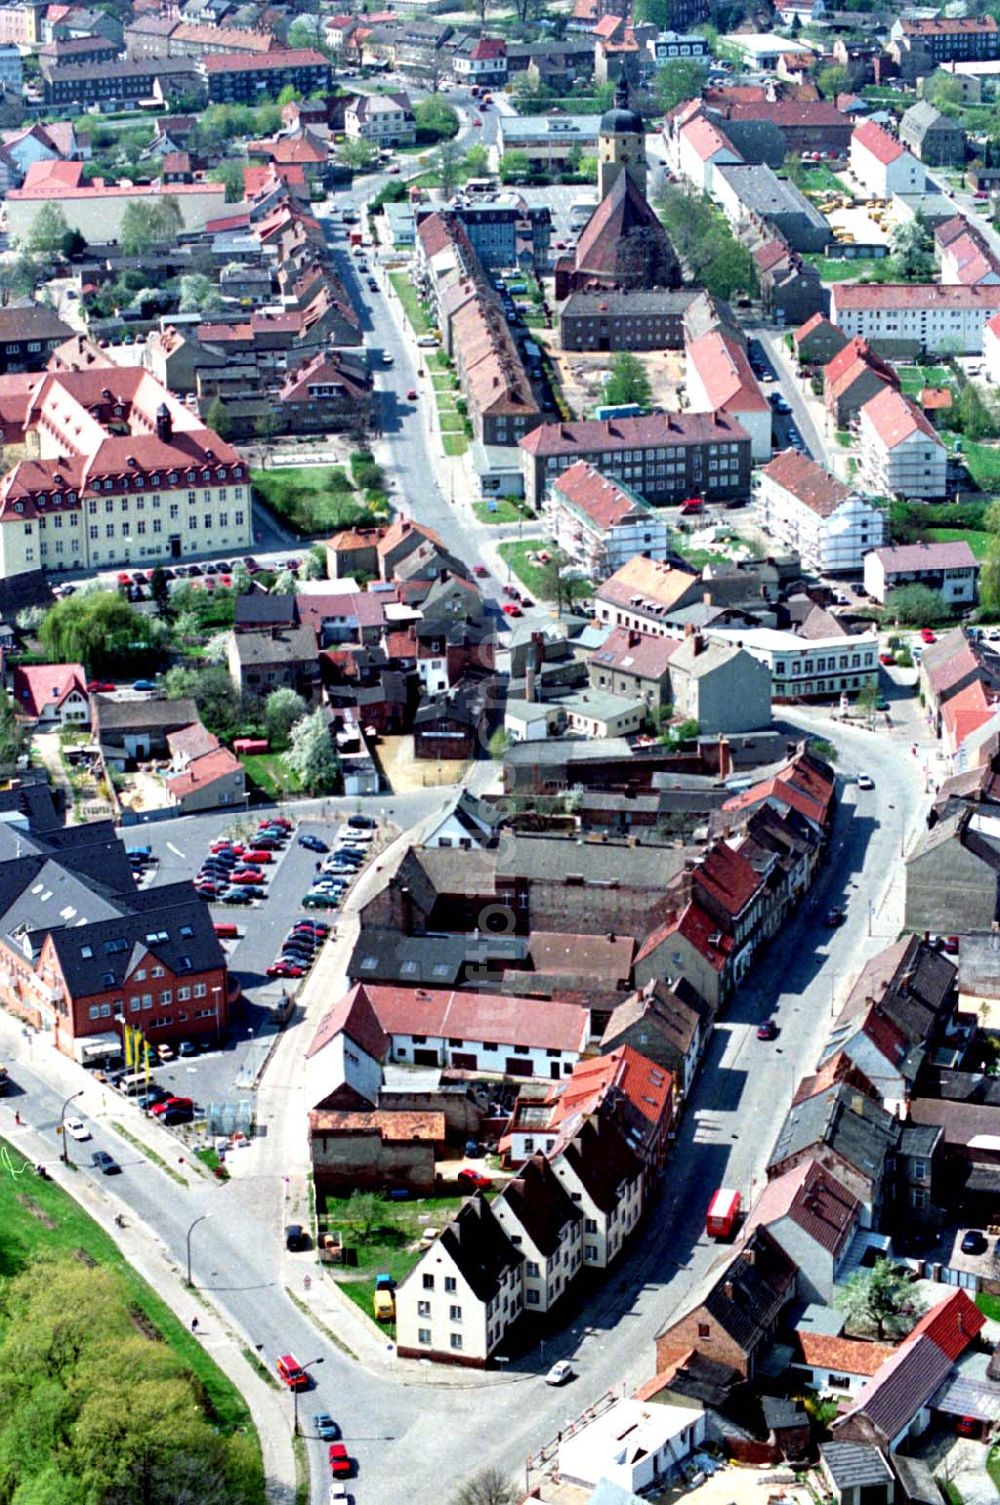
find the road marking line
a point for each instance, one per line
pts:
(176, 850)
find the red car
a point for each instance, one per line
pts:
(411, 395)
(285, 969)
(282, 821)
(887, 658)
(340, 1463)
(768, 1030)
(927, 635)
(185, 1104)
(510, 610)
(247, 875)
(477, 121)
(478, 570)
(255, 857)
(474, 1179)
(99, 687)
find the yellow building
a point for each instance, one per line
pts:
(118, 472)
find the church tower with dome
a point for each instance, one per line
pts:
(621, 144)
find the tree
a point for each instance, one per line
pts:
(367, 1211)
(872, 1298)
(359, 156)
(488, 1486)
(731, 270)
(974, 417)
(915, 605)
(588, 169)
(312, 567)
(910, 246)
(477, 161)
(515, 167)
(282, 709)
(230, 173)
(628, 381)
(95, 629)
(943, 89)
(833, 80)
(682, 78)
(446, 160)
(148, 223)
(11, 731)
(18, 279)
(159, 589)
(213, 692)
(498, 744)
(312, 757)
(199, 294)
(285, 584)
(868, 699)
(266, 428)
(49, 232)
(561, 582)
(435, 119)
(217, 418)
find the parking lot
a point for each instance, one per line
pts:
(178, 849)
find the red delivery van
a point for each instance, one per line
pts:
(723, 1213)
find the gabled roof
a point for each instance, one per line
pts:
(601, 499)
(646, 655)
(661, 1013)
(725, 373)
(595, 1150)
(874, 139)
(353, 1016)
(842, 1355)
(901, 1387)
(202, 771)
(812, 1198)
(605, 245)
(952, 1324)
(540, 1203)
(815, 487)
(748, 1295)
(39, 685)
(895, 419)
(907, 558)
(479, 1247)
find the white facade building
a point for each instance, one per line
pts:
(545, 1225)
(950, 568)
(382, 119)
(720, 378)
(633, 1444)
(922, 316)
(991, 349)
(810, 669)
(882, 165)
(901, 454)
(806, 509)
(605, 1180)
(601, 523)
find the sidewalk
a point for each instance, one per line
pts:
(149, 1257)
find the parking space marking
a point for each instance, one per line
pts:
(176, 851)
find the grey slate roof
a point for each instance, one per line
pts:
(896, 1393)
(760, 189)
(541, 1203)
(855, 1465)
(553, 857)
(479, 1247)
(853, 1126)
(261, 608)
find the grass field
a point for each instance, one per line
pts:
(989, 1305)
(454, 444)
(817, 178)
(844, 269)
(390, 1249)
(499, 511)
(412, 306)
(532, 576)
(310, 498)
(978, 540)
(983, 463)
(38, 1218)
(269, 773)
(913, 379)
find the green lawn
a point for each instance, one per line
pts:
(978, 539)
(913, 379)
(817, 178)
(454, 444)
(390, 1249)
(310, 498)
(499, 511)
(993, 1464)
(412, 306)
(844, 269)
(989, 1305)
(452, 423)
(270, 775)
(983, 464)
(39, 1218)
(532, 576)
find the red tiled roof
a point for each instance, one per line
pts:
(814, 322)
(796, 473)
(883, 147)
(218, 764)
(489, 47)
(791, 112)
(444, 1014)
(796, 785)
(354, 1016)
(236, 62)
(952, 1324)
(812, 1197)
(895, 418)
(848, 296)
(843, 1355)
(728, 879)
(644, 654)
(949, 26)
(648, 1087)
(607, 26)
(725, 373)
(632, 433)
(699, 929)
(935, 399)
(706, 138)
(40, 685)
(601, 498)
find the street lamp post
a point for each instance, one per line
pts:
(62, 1124)
(295, 1396)
(191, 1229)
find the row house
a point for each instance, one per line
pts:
(246, 78)
(665, 457)
(881, 163)
(916, 318)
(965, 256)
(813, 1219)
(830, 526)
(605, 1178)
(601, 524)
(919, 45)
(810, 668)
(848, 1134)
(114, 82)
(949, 568)
(817, 341)
(545, 1224)
(669, 1026)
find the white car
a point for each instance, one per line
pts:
(76, 1128)
(559, 1373)
(865, 781)
(338, 1490)
(386, 358)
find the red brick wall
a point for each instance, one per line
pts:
(684, 1335)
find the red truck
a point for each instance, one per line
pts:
(723, 1214)
(692, 506)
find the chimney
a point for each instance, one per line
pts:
(750, 1255)
(689, 629)
(697, 644)
(706, 598)
(538, 651)
(164, 424)
(633, 637)
(728, 1289)
(725, 758)
(529, 685)
(406, 902)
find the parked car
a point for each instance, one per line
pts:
(927, 635)
(324, 1426)
(834, 917)
(362, 822)
(339, 1460)
(296, 1237)
(768, 1030)
(887, 658)
(141, 685)
(560, 1372)
(285, 969)
(312, 843)
(474, 1180)
(100, 686)
(105, 1163)
(76, 1128)
(865, 781)
(974, 1242)
(237, 896)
